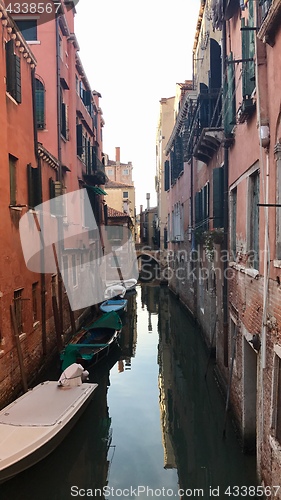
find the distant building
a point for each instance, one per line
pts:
(120, 187)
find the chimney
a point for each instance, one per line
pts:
(117, 155)
(148, 200)
(141, 209)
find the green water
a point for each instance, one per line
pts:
(155, 425)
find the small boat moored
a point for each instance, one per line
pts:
(93, 342)
(33, 425)
(114, 291)
(114, 305)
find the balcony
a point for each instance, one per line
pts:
(246, 110)
(270, 12)
(203, 132)
(208, 143)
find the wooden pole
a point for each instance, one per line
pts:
(72, 319)
(57, 323)
(18, 344)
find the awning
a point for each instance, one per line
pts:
(96, 189)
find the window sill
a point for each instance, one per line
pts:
(14, 207)
(254, 273)
(33, 42)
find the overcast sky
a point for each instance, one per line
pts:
(134, 53)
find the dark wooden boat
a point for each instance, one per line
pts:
(94, 342)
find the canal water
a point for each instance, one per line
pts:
(155, 425)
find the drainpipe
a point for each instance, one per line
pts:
(42, 256)
(59, 172)
(225, 216)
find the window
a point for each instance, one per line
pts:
(125, 194)
(125, 171)
(13, 180)
(64, 121)
(114, 233)
(40, 104)
(167, 175)
(109, 171)
(18, 308)
(79, 140)
(34, 186)
(13, 72)
(253, 220)
(35, 302)
(28, 27)
(218, 195)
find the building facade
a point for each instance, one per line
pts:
(222, 184)
(51, 124)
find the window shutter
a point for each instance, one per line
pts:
(88, 157)
(229, 110)
(218, 197)
(205, 207)
(63, 119)
(18, 80)
(248, 51)
(66, 123)
(105, 214)
(31, 203)
(40, 104)
(34, 186)
(167, 175)
(79, 140)
(87, 97)
(13, 72)
(197, 208)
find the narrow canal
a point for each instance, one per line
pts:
(155, 425)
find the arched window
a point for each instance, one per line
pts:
(40, 104)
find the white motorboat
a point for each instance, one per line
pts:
(114, 291)
(34, 424)
(128, 284)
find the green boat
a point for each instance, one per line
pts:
(94, 342)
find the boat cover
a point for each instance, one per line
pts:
(107, 320)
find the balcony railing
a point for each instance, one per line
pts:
(204, 113)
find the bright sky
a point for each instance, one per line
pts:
(134, 53)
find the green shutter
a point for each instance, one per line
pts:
(13, 72)
(31, 203)
(197, 209)
(63, 119)
(18, 80)
(248, 52)
(40, 104)
(79, 139)
(167, 175)
(229, 108)
(34, 186)
(218, 197)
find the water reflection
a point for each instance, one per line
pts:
(154, 422)
(192, 409)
